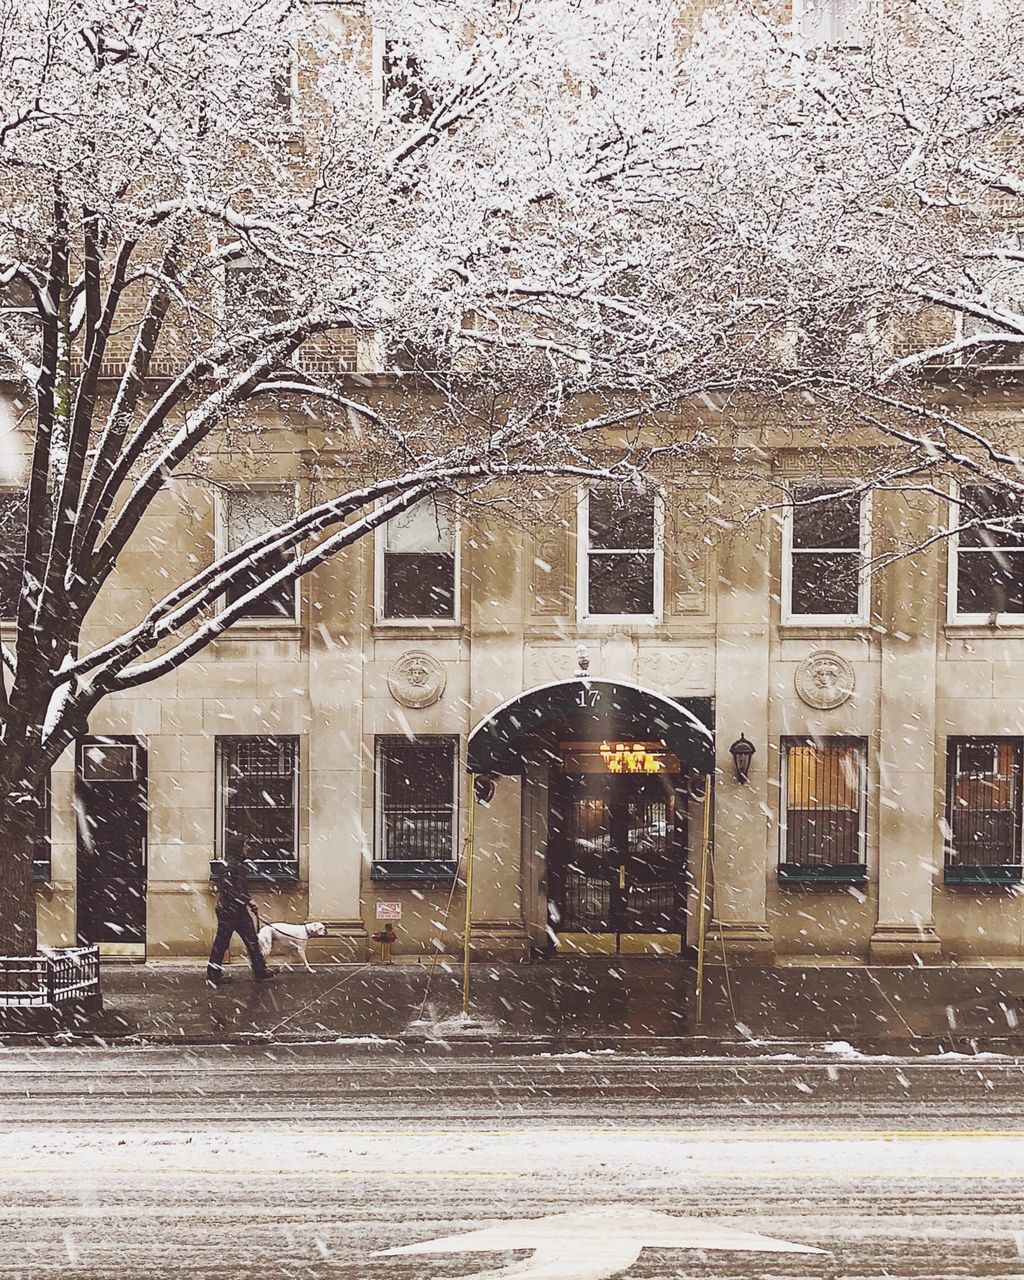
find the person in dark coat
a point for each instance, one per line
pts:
(234, 904)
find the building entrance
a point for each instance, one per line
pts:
(617, 840)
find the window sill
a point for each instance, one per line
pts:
(416, 629)
(835, 873)
(981, 877)
(822, 629)
(977, 628)
(413, 872)
(254, 629)
(261, 871)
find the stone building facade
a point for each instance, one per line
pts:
(592, 668)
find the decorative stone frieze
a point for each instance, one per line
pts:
(416, 679)
(825, 680)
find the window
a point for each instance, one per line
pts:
(258, 801)
(254, 293)
(247, 514)
(620, 566)
(988, 558)
(13, 515)
(416, 807)
(405, 94)
(416, 557)
(823, 816)
(1007, 295)
(826, 551)
(833, 24)
(983, 809)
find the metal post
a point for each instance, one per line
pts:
(468, 934)
(704, 896)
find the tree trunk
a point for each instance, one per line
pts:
(17, 892)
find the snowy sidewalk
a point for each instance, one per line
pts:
(641, 1001)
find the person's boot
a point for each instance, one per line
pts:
(265, 975)
(216, 978)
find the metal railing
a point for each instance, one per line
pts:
(49, 979)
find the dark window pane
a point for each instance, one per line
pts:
(978, 502)
(404, 90)
(417, 798)
(990, 582)
(419, 584)
(260, 795)
(621, 583)
(13, 512)
(825, 583)
(826, 524)
(625, 523)
(823, 803)
(279, 603)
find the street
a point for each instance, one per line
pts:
(295, 1161)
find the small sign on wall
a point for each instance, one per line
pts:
(389, 911)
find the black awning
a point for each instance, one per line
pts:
(512, 734)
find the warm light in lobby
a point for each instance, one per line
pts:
(631, 757)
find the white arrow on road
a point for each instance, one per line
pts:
(595, 1243)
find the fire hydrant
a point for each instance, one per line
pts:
(385, 937)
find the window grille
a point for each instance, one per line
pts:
(825, 553)
(259, 796)
(419, 562)
(990, 554)
(621, 554)
(824, 799)
(416, 783)
(984, 810)
(248, 514)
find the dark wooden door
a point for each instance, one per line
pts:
(113, 812)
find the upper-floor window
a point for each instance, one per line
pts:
(988, 556)
(823, 814)
(258, 799)
(247, 513)
(833, 24)
(13, 515)
(404, 92)
(620, 562)
(254, 293)
(417, 784)
(416, 562)
(826, 550)
(983, 796)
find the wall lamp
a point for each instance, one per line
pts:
(742, 753)
(483, 788)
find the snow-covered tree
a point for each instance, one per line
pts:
(206, 207)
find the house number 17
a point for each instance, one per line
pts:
(588, 697)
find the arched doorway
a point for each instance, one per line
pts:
(618, 764)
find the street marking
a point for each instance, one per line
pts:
(596, 1243)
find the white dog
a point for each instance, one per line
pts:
(296, 934)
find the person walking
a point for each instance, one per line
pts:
(234, 904)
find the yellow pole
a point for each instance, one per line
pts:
(702, 917)
(468, 934)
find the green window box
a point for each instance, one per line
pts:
(413, 870)
(831, 873)
(974, 876)
(262, 870)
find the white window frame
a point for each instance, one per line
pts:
(800, 11)
(953, 616)
(863, 614)
(797, 739)
(221, 549)
(379, 549)
(583, 549)
(221, 790)
(378, 850)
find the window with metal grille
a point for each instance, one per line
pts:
(990, 552)
(983, 802)
(823, 789)
(247, 514)
(825, 554)
(621, 564)
(416, 799)
(258, 796)
(417, 548)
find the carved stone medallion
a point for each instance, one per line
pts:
(825, 680)
(416, 679)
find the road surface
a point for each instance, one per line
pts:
(309, 1161)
